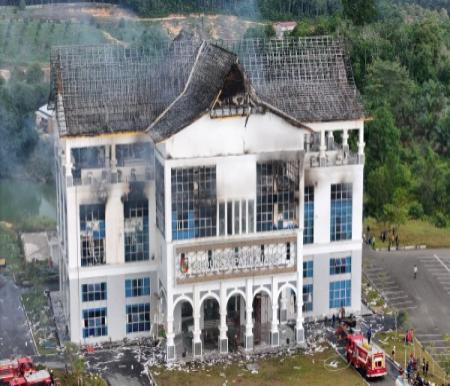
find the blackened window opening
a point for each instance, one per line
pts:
(136, 230)
(194, 202)
(277, 195)
(87, 158)
(134, 153)
(92, 234)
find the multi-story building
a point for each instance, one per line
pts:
(215, 189)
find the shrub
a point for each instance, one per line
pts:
(416, 210)
(440, 221)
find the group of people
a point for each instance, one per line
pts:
(391, 236)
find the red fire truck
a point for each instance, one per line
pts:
(368, 357)
(33, 378)
(11, 368)
(21, 372)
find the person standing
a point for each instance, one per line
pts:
(415, 271)
(426, 368)
(369, 334)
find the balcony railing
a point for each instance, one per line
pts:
(235, 258)
(106, 176)
(333, 158)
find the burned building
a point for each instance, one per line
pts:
(213, 189)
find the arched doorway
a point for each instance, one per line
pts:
(236, 322)
(209, 324)
(287, 315)
(262, 318)
(183, 327)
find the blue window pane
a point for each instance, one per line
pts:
(308, 231)
(138, 317)
(340, 265)
(308, 269)
(340, 294)
(341, 212)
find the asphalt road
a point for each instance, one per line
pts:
(15, 336)
(426, 299)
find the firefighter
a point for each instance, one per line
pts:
(369, 334)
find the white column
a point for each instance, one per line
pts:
(68, 165)
(322, 149)
(113, 163)
(170, 335)
(248, 313)
(361, 144)
(223, 339)
(196, 342)
(345, 140)
(300, 333)
(274, 332)
(283, 308)
(330, 140)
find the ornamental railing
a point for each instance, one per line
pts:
(212, 261)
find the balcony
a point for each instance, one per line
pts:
(333, 158)
(235, 258)
(124, 174)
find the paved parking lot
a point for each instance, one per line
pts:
(15, 336)
(425, 299)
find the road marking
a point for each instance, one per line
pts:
(442, 263)
(399, 302)
(397, 297)
(406, 308)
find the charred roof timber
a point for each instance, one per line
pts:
(97, 89)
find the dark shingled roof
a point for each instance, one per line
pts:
(100, 89)
(207, 77)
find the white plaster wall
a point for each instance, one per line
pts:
(322, 178)
(116, 304)
(208, 137)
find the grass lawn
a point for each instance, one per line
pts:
(389, 339)
(414, 232)
(299, 369)
(34, 276)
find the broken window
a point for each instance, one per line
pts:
(308, 268)
(137, 287)
(87, 158)
(308, 231)
(138, 317)
(136, 230)
(134, 153)
(94, 322)
(92, 234)
(340, 265)
(160, 196)
(93, 292)
(194, 204)
(277, 195)
(341, 212)
(307, 298)
(340, 293)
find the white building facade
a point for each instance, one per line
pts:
(229, 219)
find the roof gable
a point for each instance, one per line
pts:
(112, 89)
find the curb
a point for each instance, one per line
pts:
(29, 327)
(402, 248)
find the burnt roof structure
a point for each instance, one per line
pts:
(98, 89)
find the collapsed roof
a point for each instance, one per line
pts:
(98, 89)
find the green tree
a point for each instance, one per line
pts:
(34, 74)
(260, 32)
(382, 137)
(388, 84)
(359, 12)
